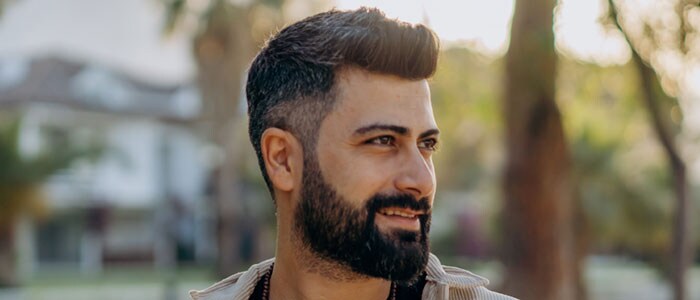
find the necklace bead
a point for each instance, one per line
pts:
(268, 274)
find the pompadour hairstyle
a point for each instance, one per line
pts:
(290, 82)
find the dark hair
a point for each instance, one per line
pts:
(290, 82)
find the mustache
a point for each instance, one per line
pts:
(407, 201)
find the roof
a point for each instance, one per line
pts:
(91, 87)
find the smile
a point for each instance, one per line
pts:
(399, 212)
(399, 218)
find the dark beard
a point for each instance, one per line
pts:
(334, 230)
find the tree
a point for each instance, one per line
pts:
(227, 36)
(536, 185)
(20, 186)
(646, 46)
(221, 48)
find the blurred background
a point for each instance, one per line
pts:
(569, 167)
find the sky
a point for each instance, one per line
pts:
(127, 34)
(485, 25)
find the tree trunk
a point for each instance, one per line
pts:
(222, 52)
(681, 249)
(537, 213)
(15, 200)
(582, 236)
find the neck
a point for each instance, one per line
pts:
(301, 275)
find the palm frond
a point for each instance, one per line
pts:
(174, 13)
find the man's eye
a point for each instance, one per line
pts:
(429, 144)
(382, 140)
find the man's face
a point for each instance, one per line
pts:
(367, 189)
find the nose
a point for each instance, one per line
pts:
(416, 176)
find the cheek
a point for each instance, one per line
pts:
(355, 176)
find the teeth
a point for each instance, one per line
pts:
(390, 212)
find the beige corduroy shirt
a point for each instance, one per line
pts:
(442, 283)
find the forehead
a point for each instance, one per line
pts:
(365, 98)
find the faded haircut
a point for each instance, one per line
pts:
(291, 81)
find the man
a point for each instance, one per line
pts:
(342, 124)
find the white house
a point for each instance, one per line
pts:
(144, 198)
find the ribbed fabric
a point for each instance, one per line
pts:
(442, 283)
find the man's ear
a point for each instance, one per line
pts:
(282, 154)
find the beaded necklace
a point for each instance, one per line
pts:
(268, 274)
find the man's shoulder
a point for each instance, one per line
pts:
(238, 286)
(461, 284)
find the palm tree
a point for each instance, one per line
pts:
(20, 187)
(223, 46)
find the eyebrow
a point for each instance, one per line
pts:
(429, 132)
(382, 127)
(395, 128)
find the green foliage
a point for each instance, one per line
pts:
(20, 174)
(176, 11)
(620, 173)
(19, 170)
(465, 95)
